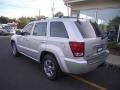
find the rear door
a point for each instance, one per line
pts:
(38, 39)
(58, 36)
(95, 40)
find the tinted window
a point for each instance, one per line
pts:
(88, 30)
(99, 33)
(57, 29)
(28, 28)
(40, 29)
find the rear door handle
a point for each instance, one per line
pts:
(27, 39)
(43, 41)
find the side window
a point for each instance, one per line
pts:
(28, 29)
(57, 29)
(40, 29)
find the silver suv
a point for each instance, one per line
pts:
(62, 45)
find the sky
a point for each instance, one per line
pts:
(18, 8)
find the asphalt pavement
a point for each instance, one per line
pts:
(22, 73)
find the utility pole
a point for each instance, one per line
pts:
(53, 9)
(38, 17)
(67, 7)
(118, 36)
(39, 13)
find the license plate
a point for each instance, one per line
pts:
(99, 49)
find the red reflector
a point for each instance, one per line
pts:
(77, 48)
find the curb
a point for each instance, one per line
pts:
(112, 67)
(5, 36)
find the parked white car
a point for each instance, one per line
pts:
(0, 29)
(62, 45)
(6, 30)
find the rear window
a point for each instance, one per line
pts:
(88, 30)
(99, 33)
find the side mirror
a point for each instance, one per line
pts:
(22, 33)
(18, 32)
(25, 33)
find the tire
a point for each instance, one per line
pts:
(50, 67)
(14, 50)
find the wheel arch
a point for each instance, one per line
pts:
(43, 53)
(59, 59)
(12, 41)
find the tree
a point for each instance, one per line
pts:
(22, 21)
(31, 19)
(59, 14)
(4, 20)
(40, 17)
(12, 20)
(114, 23)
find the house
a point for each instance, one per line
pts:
(13, 25)
(77, 5)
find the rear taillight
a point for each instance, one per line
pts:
(77, 48)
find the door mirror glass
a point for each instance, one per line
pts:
(18, 32)
(25, 33)
(22, 33)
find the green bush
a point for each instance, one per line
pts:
(113, 45)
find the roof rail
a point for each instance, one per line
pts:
(64, 17)
(70, 17)
(75, 18)
(67, 17)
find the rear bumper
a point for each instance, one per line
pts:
(83, 66)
